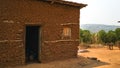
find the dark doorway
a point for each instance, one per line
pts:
(32, 43)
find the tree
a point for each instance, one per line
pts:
(111, 37)
(86, 36)
(95, 38)
(81, 33)
(102, 36)
(117, 31)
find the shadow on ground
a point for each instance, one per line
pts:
(92, 63)
(80, 62)
(95, 64)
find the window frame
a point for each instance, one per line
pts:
(66, 32)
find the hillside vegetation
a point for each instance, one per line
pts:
(97, 27)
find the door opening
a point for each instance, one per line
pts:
(32, 43)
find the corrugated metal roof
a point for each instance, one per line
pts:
(68, 3)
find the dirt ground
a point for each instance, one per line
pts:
(79, 62)
(107, 59)
(110, 57)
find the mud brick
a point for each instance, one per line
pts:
(17, 14)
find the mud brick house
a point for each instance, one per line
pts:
(38, 30)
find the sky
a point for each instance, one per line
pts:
(100, 12)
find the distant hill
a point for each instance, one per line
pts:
(97, 27)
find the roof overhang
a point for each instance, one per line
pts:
(80, 5)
